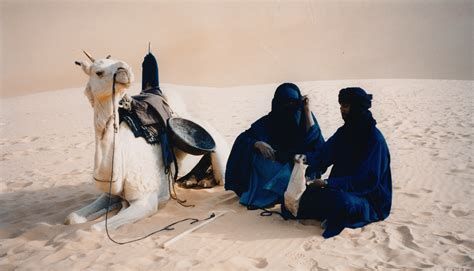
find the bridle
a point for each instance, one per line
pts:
(113, 117)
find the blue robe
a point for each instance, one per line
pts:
(359, 187)
(260, 182)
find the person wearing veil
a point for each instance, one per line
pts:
(359, 188)
(260, 163)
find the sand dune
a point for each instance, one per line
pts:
(46, 155)
(235, 43)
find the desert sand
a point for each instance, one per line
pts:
(225, 58)
(46, 158)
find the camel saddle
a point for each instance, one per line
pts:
(147, 115)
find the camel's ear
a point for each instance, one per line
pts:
(88, 93)
(86, 66)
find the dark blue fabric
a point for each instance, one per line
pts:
(258, 181)
(150, 74)
(286, 123)
(356, 97)
(267, 183)
(361, 175)
(341, 209)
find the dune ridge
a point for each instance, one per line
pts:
(235, 43)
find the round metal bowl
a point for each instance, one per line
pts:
(190, 137)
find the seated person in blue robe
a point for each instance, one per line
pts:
(359, 188)
(260, 163)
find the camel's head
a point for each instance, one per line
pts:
(101, 74)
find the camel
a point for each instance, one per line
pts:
(139, 178)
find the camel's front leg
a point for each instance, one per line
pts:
(81, 215)
(141, 208)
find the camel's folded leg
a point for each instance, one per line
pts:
(138, 209)
(81, 215)
(117, 205)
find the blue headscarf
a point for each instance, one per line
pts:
(286, 121)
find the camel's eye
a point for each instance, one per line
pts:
(99, 73)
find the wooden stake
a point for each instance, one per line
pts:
(179, 236)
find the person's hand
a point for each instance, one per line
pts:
(317, 183)
(300, 158)
(306, 103)
(266, 150)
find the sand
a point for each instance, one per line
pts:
(46, 158)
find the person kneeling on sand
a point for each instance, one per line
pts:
(260, 163)
(359, 188)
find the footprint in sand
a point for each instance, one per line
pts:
(443, 208)
(245, 263)
(185, 264)
(459, 213)
(423, 214)
(260, 262)
(427, 191)
(83, 144)
(75, 158)
(454, 239)
(74, 172)
(411, 195)
(460, 258)
(429, 131)
(407, 238)
(18, 184)
(313, 243)
(28, 139)
(307, 246)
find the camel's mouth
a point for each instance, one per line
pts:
(123, 77)
(125, 84)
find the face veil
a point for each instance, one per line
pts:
(286, 123)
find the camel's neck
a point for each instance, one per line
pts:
(107, 143)
(103, 117)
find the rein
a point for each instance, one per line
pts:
(175, 197)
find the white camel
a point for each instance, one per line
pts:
(139, 178)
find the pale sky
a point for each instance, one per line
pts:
(231, 43)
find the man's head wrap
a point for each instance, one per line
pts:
(150, 72)
(359, 123)
(356, 97)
